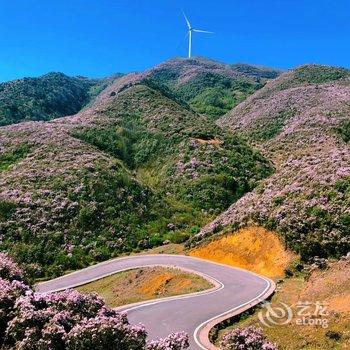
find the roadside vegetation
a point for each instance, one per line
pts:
(66, 320)
(329, 286)
(144, 284)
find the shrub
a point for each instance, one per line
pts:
(344, 130)
(9, 270)
(66, 320)
(250, 338)
(175, 341)
(11, 157)
(9, 292)
(104, 333)
(317, 74)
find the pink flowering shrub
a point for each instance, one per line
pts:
(250, 338)
(10, 291)
(175, 341)
(9, 270)
(307, 199)
(105, 332)
(67, 320)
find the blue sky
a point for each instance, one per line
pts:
(100, 37)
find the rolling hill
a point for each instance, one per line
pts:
(210, 87)
(300, 122)
(50, 96)
(135, 168)
(141, 164)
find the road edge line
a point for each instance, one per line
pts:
(201, 333)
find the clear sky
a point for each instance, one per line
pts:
(99, 37)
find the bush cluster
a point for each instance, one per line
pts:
(250, 338)
(66, 320)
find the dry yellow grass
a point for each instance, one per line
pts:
(215, 142)
(251, 248)
(171, 248)
(157, 283)
(330, 286)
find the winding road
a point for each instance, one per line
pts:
(235, 290)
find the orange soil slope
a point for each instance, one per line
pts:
(251, 248)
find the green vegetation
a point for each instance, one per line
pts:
(198, 177)
(109, 213)
(270, 128)
(115, 141)
(13, 156)
(149, 170)
(307, 199)
(256, 71)
(214, 95)
(317, 74)
(344, 130)
(210, 87)
(51, 96)
(148, 163)
(6, 210)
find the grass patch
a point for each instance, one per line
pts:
(145, 284)
(344, 130)
(329, 286)
(7, 159)
(274, 126)
(317, 74)
(6, 210)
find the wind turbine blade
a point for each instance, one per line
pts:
(202, 31)
(187, 21)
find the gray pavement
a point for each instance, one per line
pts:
(189, 313)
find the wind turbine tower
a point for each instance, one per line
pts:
(190, 31)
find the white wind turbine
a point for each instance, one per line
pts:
(190, 31)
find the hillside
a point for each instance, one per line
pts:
(300, 121)
(134, 169)
(209, 87)
(50, 96)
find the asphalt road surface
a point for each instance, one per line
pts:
(233, 288)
